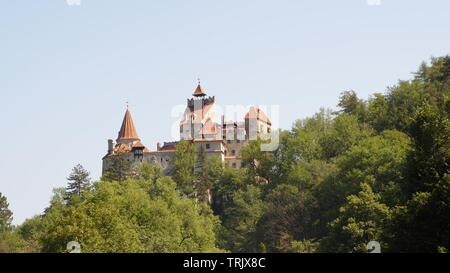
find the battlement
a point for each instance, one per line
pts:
(205, 101)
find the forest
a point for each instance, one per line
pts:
(372, 169)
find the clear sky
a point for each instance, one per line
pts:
(67, 71)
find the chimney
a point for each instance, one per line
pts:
(110, 146)
(158, 146)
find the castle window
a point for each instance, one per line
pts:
(238, 141)
(208, 146)
(229, 141)
(234, 165)
(233, 152)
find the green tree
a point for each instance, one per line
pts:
(10, 242)
(351, 104)
(380, 160)
(8, 239)
(240, 220)
(5, 214)
(423, 224)
(150, 172)
(119, 168)
(307, 246)
(131, 216)
(286, 219)
(31, 232)
(429, 161)
(184, 167)
(303, 143)
(307, 175)
(257, 162)
(403, 101)
(343, 133)
(231, 181)
(436, 78)
(79, 182)
(377, 113)
(208, 172)
(362, 219)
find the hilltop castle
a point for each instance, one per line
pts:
(222, 140)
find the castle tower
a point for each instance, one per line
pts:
(256, 123)
(128, 132)
(127, 140)
(127, 143)
(198, 121)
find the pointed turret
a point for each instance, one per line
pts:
(199, 91)
(127, 131)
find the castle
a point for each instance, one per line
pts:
(223, 140)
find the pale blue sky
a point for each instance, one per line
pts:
(66, 71)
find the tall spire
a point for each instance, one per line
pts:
(127, 130)
(199, 91)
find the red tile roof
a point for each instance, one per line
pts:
(138, 144)
(257, 113)
(127, 130)
(122, 148)
(199, 92)
(168, 146)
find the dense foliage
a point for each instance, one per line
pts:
(376, 169)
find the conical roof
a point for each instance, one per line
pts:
(127, 130)
(199, 91)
